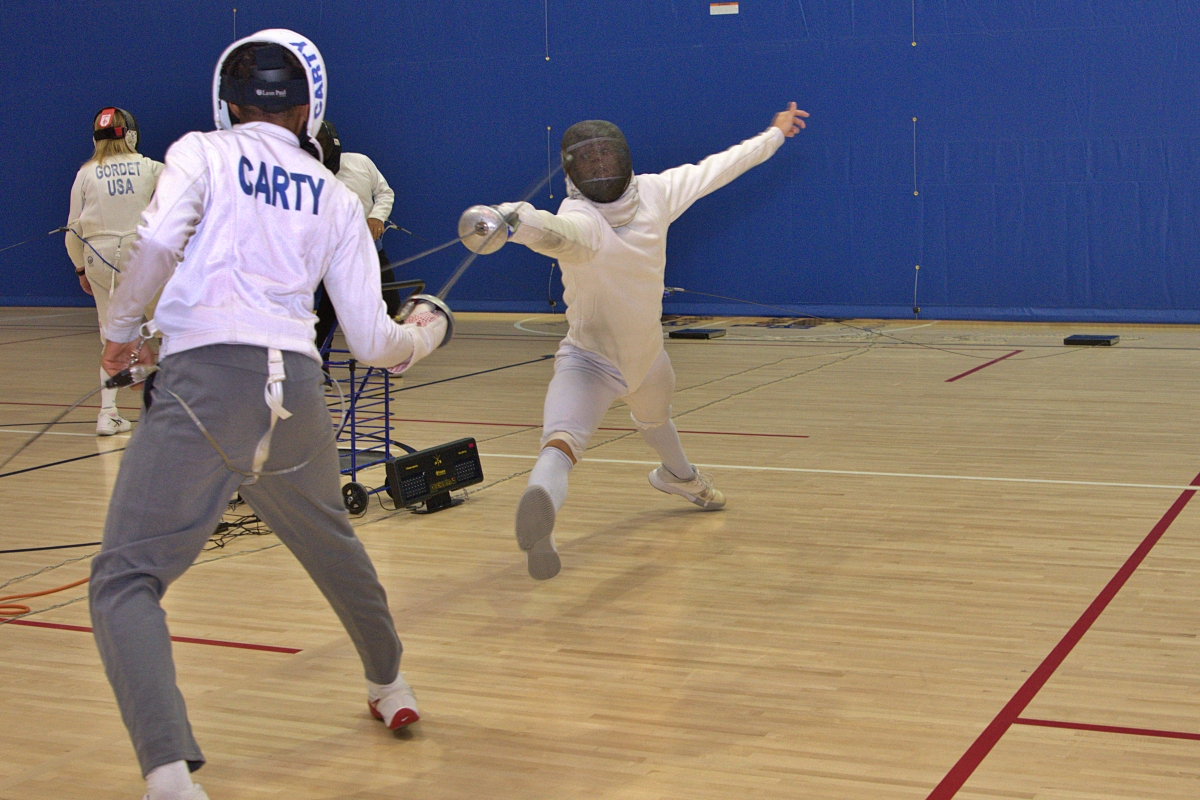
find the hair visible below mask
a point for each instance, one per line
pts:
(264, 75)
(108, 145)
(596, 158)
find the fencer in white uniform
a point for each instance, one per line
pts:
(244, 224)
(359, 174)
(610, 239)
(362, 177)
(107, 199)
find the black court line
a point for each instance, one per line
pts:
(472, 374)
(39, 424)
(50, 547)
(56, 463)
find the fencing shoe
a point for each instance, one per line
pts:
(535, 533)
(172, 781)
(195, 793)
(698, 490)
(110, 423)
(394, 703)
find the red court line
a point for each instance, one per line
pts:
(983, 366)
(525, 425)
(1008, 715)
(1083, 726)
(269, 648)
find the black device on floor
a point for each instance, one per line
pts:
(1092, 340)
(428, 476)
(697, 333)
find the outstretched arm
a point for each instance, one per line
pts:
(686, 184)
(574, 236)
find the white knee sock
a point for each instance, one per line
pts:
(168, 781)
(665, 441)
(108, 397)
(550, 472)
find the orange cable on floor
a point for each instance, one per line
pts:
(17, 609)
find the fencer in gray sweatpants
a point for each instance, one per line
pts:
(168, 499)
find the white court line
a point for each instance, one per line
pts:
(521, 327)
(866, 474)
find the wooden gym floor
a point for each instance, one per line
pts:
(918, 584)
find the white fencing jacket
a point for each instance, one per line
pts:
(107, 200)
(243, 227)
(613, 255)
(362, 177)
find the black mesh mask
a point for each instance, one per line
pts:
(331, 146)
(596, 158)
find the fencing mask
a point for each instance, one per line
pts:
(115, 123)
(331, 146)
(596, 158)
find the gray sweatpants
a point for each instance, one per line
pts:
(168, 499)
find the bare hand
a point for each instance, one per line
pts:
(791, 121)
(120, 356)
(376, 226)
(85, 284)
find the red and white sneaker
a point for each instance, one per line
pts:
(393, 704)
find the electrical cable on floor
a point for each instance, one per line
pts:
(10, 609)
(34, 574)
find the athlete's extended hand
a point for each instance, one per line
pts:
(376, 226)
(123, 355)
(791, 121)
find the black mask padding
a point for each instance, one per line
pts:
(273, 85)
(596, 158)
(331, 145)
(311, 147)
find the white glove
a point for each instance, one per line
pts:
(426, 328)
(507, 210)
(526, 227)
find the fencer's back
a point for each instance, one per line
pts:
(271, 221)
(108, 197)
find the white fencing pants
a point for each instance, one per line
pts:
(586, 384)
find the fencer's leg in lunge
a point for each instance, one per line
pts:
(583, 388)
(650, 410)
(153, 533)
(304, 509)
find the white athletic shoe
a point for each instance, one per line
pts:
(394, 704)
(110, 423)
(698, 490)
(195, 793)
(535, 533)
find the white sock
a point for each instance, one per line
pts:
(665, 441)
(108, 397)
(550, 472)
(169, 781)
